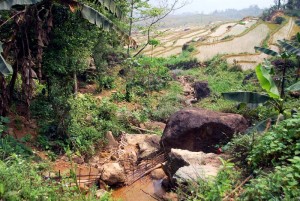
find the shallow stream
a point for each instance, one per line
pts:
(144, 189)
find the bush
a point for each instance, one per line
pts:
(168, 104)
(279, 20)
(89, 119)
(22, 180)
(278, 145)
(282, 184)
(148, 75)
(106, 82)
(239, 147)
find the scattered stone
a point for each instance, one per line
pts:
(103, 154)
(142, 126)
(132, 156)
(95, 159)
(111, 142)
(49, 175)
(112, 173)
(65, 158)
(158, 174)
(113, 158)
(83, 187)
(170, 196)
(154, 125)
(197, 129)
(100, 193)
(201, 90)
(78, 160)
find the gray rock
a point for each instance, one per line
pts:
(148, 145)
(111, 142)
(195, 172)
(100, 193)
(179, 158)
(78, 159)
(184, 165)
(112, 173)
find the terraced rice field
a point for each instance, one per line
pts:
(238, 45)
(209, 41)
(240, 28)
(284, 32)
(222, 29)
(250, 61)
(247, 61)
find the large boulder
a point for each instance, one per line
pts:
(147, 144)
(183, 158)
(197, 129)
(201, 90)
(183, 166)
(112, 174)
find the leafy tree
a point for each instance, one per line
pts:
(29, 26)
(293, 4)
(153, 15)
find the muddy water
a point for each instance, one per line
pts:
(144, 189)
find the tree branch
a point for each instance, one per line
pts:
(159, 18)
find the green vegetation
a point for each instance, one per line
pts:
(21, 176)
(77, 82)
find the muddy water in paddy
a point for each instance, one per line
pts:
(144, 189)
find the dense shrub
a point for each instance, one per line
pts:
(282, 184)
(89, 119)
(147, 74)
(279, 20)
(278, 145)
(106, 82)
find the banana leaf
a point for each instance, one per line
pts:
(246, 97)
(266, 51)
(110, 5)
(7, 4)
(294, 87)
(266, 81)
(5, 68)
(94, 17)
(290, 48)
(261, 126)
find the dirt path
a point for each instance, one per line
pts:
(188, 89)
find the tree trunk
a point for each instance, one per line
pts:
(13, 80)
(298, 70)
(75, 83)
(3, 97)
(283, 80)
(130, 27)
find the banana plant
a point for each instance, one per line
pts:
(92, 15)
(284, 55)
(31, 56)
